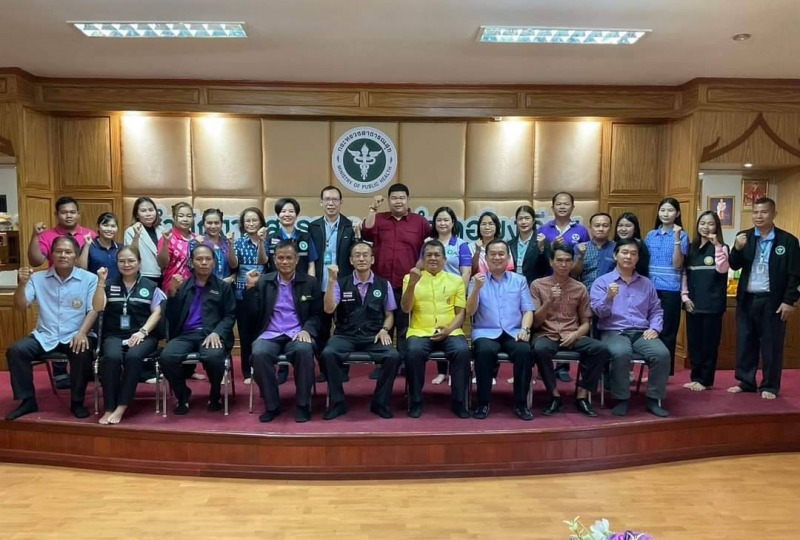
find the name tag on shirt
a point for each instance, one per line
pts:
(115, 288)
(125, 322)
(761, 269)
(213, 291)
(329, 258)
(347, 294)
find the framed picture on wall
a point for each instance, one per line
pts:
(724, 207)
(752, 190)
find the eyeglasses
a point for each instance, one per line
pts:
(328, 200)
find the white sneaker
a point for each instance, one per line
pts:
(439, 379)
(475, 381)
(248, 381)
(198, 376)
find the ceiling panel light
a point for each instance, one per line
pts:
(562, 36)
(161, 29)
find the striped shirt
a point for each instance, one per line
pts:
(661, 245)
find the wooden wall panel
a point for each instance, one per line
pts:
(636, 159)
(567, 158)
(284, 97)
(9, 124)
(156, 155)
(116, 97)
(92, 207)
(682, 159)
(84, 154)
(296, 155)
(500, 160)
(34, 209)
(788, 197)
(36, 160)
(645, 211)
(163, 205)
(445, 99)
(602, 102)
(432, 156)
(226, 156)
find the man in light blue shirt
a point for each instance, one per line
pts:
(502, 310)
(64, 294)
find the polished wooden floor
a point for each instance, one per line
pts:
(730, 498)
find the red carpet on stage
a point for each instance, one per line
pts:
(437, 418)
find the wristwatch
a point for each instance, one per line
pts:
(144, 331)
(386, 329)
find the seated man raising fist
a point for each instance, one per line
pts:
(363, 306)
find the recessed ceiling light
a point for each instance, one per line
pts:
(748, 165)
(161, 29)
(741, 37)
(562, 36)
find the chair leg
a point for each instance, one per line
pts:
(97, 387)
(226, 380)
(602, 390)
(639, 380)
(252, 384)
(50, 376)
(158, 390)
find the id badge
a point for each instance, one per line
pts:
(761, 269)
(124, 322)
(328, 258)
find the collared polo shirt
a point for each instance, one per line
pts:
(501, 305)
(435, 300)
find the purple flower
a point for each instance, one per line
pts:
(630, 535)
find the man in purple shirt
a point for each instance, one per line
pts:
(363, 305)
(629, 319)
(286, 305)
(562, 229)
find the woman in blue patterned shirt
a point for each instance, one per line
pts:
(248, 254)
(668, 244)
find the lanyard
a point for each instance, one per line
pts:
(128, 295)
(763, 248)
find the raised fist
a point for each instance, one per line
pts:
(25, 274)
(357, 228)
(378, 200)
(677, 229)
(478, 244)
(414, 275)
(582, 249)
(540, 240)
(87, 239)
(167, 234)
(333, 272)
(713, 239)
(102, 274)
(262, 233)
(39, 228)
(741, 240)
(137, 229)
(229, 237)
(613, 290)
(555, 292)
(252, 278)
(480, 280)
(175, 284)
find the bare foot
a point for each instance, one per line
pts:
(694, 386)
(198, 376)
(735, 389)
(116, 416)
(768, 395)
(104, 419)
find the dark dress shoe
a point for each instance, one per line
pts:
(556, 405)
(78, 410)
(652, 405)
(338, 409)
(376, 373)
(459, 410)
(381, 411)
(564, 376)
(182, 408)
(27, 406)
(523, 413)
(283, 374)
(269, 416)
(62, 382)
(302, 414)
(415, 411)
(584, 407)
(481, 412)
(621, 408)
(214, 405)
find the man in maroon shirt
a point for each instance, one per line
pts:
(397, 237)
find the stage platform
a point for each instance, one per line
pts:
(360, 445)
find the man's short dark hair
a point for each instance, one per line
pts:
(69, 239)
(567, 193)
(399, 187)
(766, 200)
(331, 188)
(361, 243)
(564, 248)
(601, 214)
(66, 200)
(433, 243)
(498, 241)
(627, 242)
(287, 242)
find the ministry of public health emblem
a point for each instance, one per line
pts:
(364, 159)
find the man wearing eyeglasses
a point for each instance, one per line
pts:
(333, 236)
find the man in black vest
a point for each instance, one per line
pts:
(286, 306)
(333, 235)
(364, 305)
(200, 316)
(769, 259)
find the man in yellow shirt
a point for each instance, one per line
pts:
(436, 301)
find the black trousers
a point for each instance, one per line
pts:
(121, 368)
(22, 353)
(759, 329)
(703, 334)
(456, 351)
(519, 352)
(594, 356)
(335, 354)
(401, 321)
(265, 357)
(671, 304)
(175, 352)
(245, 340)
